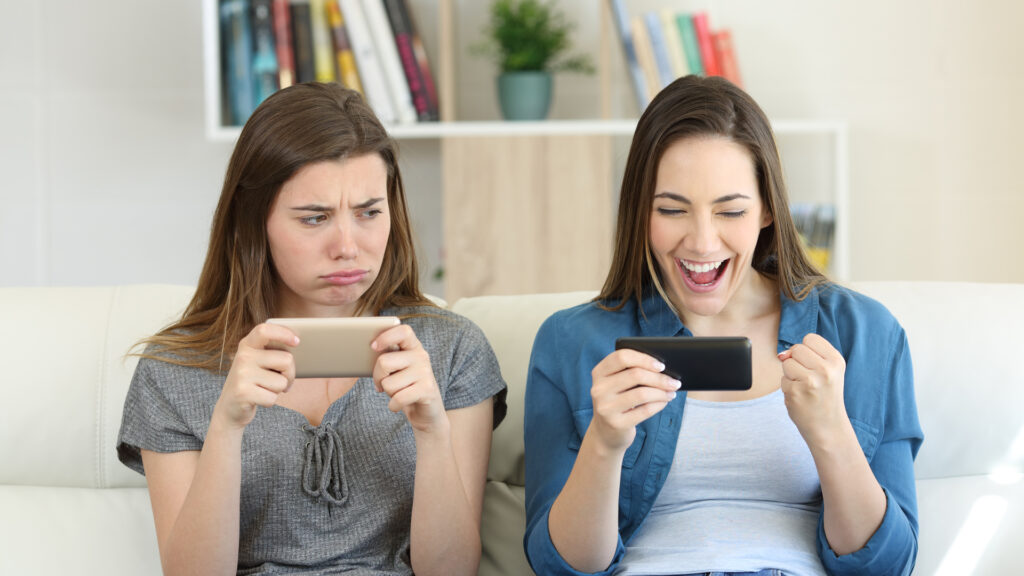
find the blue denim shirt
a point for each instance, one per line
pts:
(879, 396)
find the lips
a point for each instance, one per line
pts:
(345, 277)
(702, 276)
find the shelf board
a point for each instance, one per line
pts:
(498, 128)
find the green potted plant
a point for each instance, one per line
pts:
(528, 40)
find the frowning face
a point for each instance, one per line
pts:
(328, 231)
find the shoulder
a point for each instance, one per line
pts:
(847, 307)
(441, 330)
(589, 317)
(162, 373)
(433, 320)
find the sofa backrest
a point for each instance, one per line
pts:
(65, 360)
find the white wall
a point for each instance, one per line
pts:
(107, 177)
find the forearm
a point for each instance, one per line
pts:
(445, 532)
(204, 537)
(583, 522)
(853, 501)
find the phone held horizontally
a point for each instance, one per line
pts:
(335, 347)
(700, 363)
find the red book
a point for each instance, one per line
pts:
(726, 56)
(707, 51)
(414, 63)
(282, 17)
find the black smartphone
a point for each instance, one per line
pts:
(699, 363)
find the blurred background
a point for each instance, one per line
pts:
(109, 177)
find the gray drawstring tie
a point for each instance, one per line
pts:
(322, 470)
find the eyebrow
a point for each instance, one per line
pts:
(324, 208)
(685, 200)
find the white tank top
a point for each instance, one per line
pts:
(742, 494)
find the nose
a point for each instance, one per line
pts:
(343, 243)
(703, 237)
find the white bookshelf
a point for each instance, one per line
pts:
(834, 131)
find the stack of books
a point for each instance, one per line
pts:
(665, 45)
(371, 46)
(816, 224)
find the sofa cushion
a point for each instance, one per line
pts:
(49, 530)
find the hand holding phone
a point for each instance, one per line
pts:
(627, 388)
(700, 363)
(335, 347)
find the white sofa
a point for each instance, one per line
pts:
(68, 506)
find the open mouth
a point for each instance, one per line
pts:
(702, 274)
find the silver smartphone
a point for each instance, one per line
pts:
(335, 347)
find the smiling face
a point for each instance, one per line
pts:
(328, 231)
(706, 216)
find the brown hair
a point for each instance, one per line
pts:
(297, 126)
(700, 107)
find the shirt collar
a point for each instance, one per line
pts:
(797, 319)
(656, 318)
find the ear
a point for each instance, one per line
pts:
(766, 219)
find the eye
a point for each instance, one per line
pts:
(734, 213)
(313, 220)
(670, 211)
(371, 213)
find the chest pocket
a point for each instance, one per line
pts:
(867, 436)
(582, 418)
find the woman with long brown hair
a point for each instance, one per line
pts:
(251, 470)
(809, 471)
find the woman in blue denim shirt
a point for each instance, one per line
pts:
(810, 471)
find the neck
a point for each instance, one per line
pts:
(757, 300)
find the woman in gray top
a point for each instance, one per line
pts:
(253, 471)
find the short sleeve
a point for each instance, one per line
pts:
(150, 420)
(474, 374)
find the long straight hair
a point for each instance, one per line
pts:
(695, 107)
(237, 289)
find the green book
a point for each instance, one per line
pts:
(690, 46)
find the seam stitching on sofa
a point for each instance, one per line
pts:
(101, 392)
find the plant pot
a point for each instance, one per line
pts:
(524, 95)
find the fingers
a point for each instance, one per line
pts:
(269, 336)
(626, 358)
(403, 370)
(400, 337)
(814, 355)
(626, 369)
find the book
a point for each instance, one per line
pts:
(387, 52)
(302, 41)
(348, 72)
(816, 226)
(370, 71)
(422, 61)
(323, 47)
(236, 51)
(645, 56)
(707, 51)
(405, 35)
(282, 18)
(264, 56)
(690, 46)
(659, 47)
(676, 51)
(725, 55)
(636, 74)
